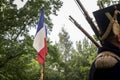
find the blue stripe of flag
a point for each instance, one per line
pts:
(41, 21)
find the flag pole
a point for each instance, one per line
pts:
(43, 72)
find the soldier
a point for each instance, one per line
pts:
(106, 65)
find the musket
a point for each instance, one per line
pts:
(88, 18)
(79, 27)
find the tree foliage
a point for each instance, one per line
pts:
(108, 2)
(82, 57)
(65, 46)
(76, 62)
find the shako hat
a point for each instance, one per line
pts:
(108, 20)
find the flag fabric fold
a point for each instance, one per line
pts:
(40, 43)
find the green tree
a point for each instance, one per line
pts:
(81, 59)
(53, 63)
(65, 46)
(74, 66)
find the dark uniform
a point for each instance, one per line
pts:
(106, 66)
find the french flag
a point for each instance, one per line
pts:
(40, 43)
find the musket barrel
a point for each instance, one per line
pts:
(88, 18)
(79, 27)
